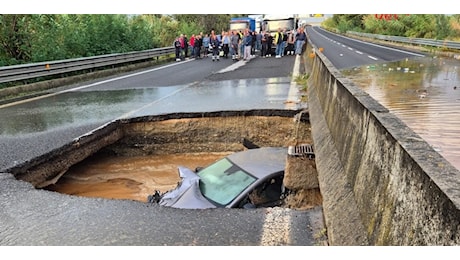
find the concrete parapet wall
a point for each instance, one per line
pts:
(381, 183)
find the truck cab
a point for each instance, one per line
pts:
(242, 23)
(271, 23)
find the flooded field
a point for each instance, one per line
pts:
(424, 93)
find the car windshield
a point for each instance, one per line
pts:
(223, 181)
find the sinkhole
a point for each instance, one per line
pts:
(130, 159)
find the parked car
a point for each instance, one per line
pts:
(247, 179)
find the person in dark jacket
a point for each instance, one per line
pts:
(247, 41)
(300, 39)
(253, 44)
(178, 48)
(186, 46)
(263, 41)
(197, 47)
(214, 42)
(269, 45)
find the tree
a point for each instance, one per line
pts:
(44, 37)
(348, 22)
(442, 27)
(205, 22)
(14, 38)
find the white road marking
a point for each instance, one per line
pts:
(292, 98)
(126, 115)
(374, 58)
(90, 85)
(276, 228)
(123, 77)
(376, 45)
(234, 66)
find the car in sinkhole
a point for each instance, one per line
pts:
(248, 179)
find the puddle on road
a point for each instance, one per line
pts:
(131, 178)
(424, 93)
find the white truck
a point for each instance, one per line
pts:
(258, 18)
(272, 22)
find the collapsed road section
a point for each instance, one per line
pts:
(34, 216)
(187, 133)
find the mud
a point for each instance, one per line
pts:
(132, 178)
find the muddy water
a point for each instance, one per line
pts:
(132, 178)
(424, 93)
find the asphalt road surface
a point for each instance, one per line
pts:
(32, 128)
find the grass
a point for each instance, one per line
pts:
(302, 80)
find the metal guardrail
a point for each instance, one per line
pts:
(41, 69)
(418, 41)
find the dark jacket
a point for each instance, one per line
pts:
(247, 40)
(301, 36)
(214, 42)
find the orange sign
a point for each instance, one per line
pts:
(386, 16)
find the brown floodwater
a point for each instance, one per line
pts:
(132, 178)
(424, 93)
(136, 177)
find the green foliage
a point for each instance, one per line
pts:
(204, 22)
(44, 37)
(432, 26)
(348, 22)
(14, 39)
(442, 27)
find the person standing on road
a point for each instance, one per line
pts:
(186, 46)
(178, 48)
(241, 45)
(214, 42)
(182, 46)
(226, 44)
(247, 45)
(206, 45)
(192, 45)
(258, 41)
(263, 41)
(253, 44)
(269, 44)
(300, 39)
(234, 39)
(278, 40)
(284, 43)
(197, 47)
(290, 43)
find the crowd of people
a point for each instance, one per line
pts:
(240, 44)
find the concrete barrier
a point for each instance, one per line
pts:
(381, 183)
